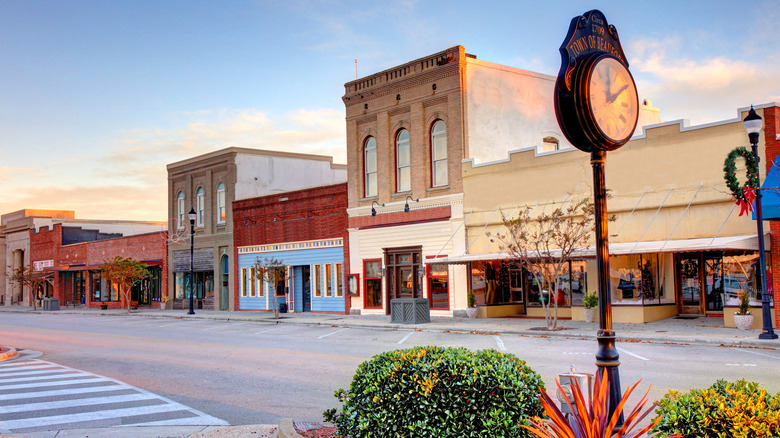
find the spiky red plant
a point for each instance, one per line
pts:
(591, 420)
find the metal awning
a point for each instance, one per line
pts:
(745, 243)
(770, 194)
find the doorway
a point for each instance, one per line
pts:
(403, 265)
(306, 289)
(224, 294)
(689, 289)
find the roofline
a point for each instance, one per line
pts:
(250, 151)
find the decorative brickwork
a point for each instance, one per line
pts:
(771, 131)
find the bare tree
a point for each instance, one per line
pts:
(544, 244)
(26, 276)
(123, 273)
(272, 271)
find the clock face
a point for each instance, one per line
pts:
(613, 100)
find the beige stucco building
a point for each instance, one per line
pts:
(208, 184)
(677, 245)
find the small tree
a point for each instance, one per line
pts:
(123, 273)
(544, 244)
(26, 276)
(273, 272)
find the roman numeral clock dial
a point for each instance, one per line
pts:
(612, 99)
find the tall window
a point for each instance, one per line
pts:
(339, 280)
(221, 212)
(438, 286)
(372, 284)
(180, 209)
(402, 168)
(252, 282)
(201, 202)
(369, 164)
(439, 154)
(317, 280)
(244, 282)
(329, 280)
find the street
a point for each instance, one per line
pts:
(244, 372)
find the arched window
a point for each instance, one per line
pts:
(439, 154)
(201, 202)
(180, 213)
(369, 165)
(550, 144)
(403, 176)
(221, 212)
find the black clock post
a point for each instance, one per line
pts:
(597, 107)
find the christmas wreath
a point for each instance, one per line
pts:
(743, 194)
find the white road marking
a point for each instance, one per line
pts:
(759, 354)
(332, 333)
(741, 365)
(405, 338)
(266, 330)
(632, 354)
(500, 343)
(77, 402)
(180, 323)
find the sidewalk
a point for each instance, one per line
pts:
(698, 331)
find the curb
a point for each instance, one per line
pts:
(7, 353)
(287, 430)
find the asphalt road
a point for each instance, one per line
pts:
(254, 373)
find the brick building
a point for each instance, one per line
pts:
(304, 229)
(208, 185)
(74, 255)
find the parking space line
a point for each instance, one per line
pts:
(332, 333)
(405, 338)
(266, 330)
(632, 354)
(500, 343)
(759, 354)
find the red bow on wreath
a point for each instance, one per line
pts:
(746, 204)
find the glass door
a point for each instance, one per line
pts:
(713, 278)
(690, 290)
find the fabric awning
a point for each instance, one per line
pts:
(745, 243)
(770, 194)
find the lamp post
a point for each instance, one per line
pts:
(752, 125)
(192, 215)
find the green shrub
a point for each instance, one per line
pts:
(740, 410)
(439, 392)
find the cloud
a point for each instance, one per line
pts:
(683, 86)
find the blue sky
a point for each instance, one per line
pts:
(97, 96)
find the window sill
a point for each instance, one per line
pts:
(371, 198)
(401, 194)
(436, 189)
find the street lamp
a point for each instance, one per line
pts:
(752, 125)
(192, 215)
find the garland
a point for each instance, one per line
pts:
(745, 194)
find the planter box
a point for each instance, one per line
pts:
(410, 311)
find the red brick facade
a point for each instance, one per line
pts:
(296, 216)
(46, 245)
(771, 131)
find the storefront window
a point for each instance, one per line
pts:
(372, 284)
(637, 279)
(540, 288)
(739, 274)
(438, 286)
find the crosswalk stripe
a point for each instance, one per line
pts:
(32, 407)
(39, 378)
(61, 383)
(89, 416)
(37, 372)
(58, 392)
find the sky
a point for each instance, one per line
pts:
(97, 96)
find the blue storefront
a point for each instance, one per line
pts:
(314, 276)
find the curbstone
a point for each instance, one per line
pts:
(7, 353)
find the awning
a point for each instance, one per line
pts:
(770, 194)
(744, 243)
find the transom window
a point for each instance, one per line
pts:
(180, 209)
(439, 154)
(369, 163)
(403, 169)
(201, 202)
(221, 212)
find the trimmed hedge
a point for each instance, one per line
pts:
(439, 392)
(740, 410)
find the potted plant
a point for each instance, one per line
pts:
(164, 302)
(589, 302)
(472, 310)
(103, 306)
(743, 319)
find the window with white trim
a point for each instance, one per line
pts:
(439, 154)
(369, 168)
(329, 280)
(201, 206)
(317, 280)
(339, 280)
(403, 173)
(244, 282)
(221, 211)
(180, 213)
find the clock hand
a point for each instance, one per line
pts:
(612, 97)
